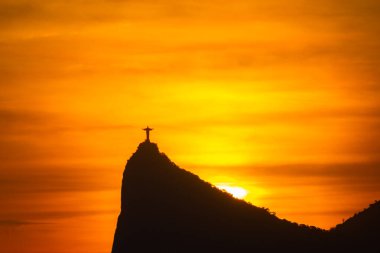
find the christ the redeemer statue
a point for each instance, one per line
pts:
(147, 130)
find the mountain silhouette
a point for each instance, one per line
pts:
(167, 209)
(360, 233)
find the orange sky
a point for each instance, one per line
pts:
(279, 97)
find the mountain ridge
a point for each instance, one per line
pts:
(167, 209)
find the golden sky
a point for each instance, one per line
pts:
(281, 98)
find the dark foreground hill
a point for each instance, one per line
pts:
(167, 209)
(360, 233)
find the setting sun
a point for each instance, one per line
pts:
(235, 191)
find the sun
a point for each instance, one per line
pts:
(235, 191)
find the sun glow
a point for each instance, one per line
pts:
(235, 191)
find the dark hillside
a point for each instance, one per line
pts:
(361, 232)
(167, 209)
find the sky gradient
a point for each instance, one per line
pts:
(281, 98)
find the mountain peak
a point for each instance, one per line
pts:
(175, 211)
(147, 148)
(167, 209)
(146, 158)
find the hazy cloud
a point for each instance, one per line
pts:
(52, 179)
(16, 223)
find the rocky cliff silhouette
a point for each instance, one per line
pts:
(167, 209)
